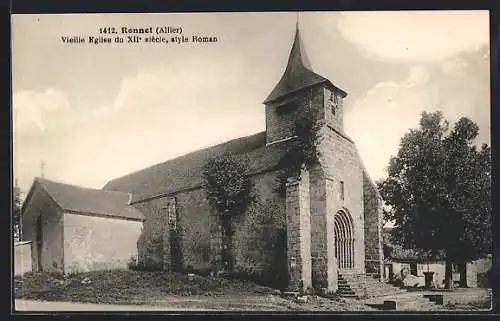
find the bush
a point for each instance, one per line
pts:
(135, 265)
(132, 263)
(271, 278)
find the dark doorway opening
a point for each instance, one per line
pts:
(39, 241)
(413, 269)
(344, 240)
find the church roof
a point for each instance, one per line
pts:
(185, 172)
(90, 201)
(298, 74)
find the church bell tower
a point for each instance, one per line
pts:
(300, 91)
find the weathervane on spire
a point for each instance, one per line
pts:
(297, 21)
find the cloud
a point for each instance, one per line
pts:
(415, 35)
(35, 111)
(156, 115)
(378, 119)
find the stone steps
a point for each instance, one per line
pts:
(364, 286)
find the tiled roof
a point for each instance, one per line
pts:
(185, 172)
(90, 201)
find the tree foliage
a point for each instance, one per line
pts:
(229, 192)
(438, 190)
(16, 211)
(227, 186)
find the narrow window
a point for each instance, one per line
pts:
(333, 102)
(172, 218)
(341, 190)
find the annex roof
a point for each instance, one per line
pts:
(90, 201)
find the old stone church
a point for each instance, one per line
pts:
(332, 215)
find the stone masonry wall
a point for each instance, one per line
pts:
(298, 215)
(334, 118)
(200, 232)
(373, 227)
(193, 229)
(324, 270)
(257, 247)
(340, 163)
(280, 120)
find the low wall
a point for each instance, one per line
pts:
(22, 257)
(481, 298)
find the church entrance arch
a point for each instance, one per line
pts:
(344, 240)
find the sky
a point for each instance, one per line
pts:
(96, 112)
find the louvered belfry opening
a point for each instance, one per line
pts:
(344, 240)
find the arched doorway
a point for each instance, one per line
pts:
(344, 240)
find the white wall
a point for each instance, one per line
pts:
(439, 268)
(98, 243)
(475, 267)
(22, 258)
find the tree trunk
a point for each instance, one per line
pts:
(463, 274)
(448, 275)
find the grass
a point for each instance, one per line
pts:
(127, 287)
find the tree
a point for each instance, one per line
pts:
(438, 189)
(228, 191)
(16, 212)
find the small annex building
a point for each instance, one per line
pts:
(76, 229)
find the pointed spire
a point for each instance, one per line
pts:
(298, 73)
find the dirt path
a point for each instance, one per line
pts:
(199, 303)
(30, 305)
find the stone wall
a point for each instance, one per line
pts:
(199, 231)
(298, 220)
(258, 233)
(323, 206)
(334, 118)
(281, 118)
(193, 230)
(340, 163)
(150, 242)
(98, 243)
(373, 227)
